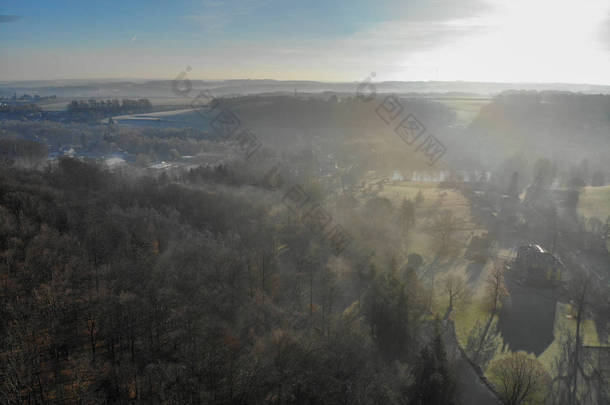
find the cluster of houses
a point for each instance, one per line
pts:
(538, 266)
(25, 98)
(437, 176)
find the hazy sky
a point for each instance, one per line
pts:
(483, 40)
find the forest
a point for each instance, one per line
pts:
(115, 289)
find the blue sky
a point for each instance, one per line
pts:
(77, 24)
(487, 40)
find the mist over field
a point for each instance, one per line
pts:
(238, 202)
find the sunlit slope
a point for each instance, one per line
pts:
(566, 127)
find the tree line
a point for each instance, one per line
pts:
(109, 107)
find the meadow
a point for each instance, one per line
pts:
(595, 202)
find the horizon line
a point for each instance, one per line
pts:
(128, 79)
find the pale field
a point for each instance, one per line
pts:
(443, 199)
(466, 109)
(449, 199)
(563, 321)
(595, 202)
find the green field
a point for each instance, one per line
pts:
(444, 199)
(595, 202)
(449, 199)
(466, 109)
(564, 321)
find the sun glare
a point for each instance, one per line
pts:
(542, 41)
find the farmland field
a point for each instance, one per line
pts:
(595, 202)
(466, 109)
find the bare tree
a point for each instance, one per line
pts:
(496, 293)
(457, 291)
(561, 389)
(573, 378)
(443, 228)
(579, 289)
(519, 378)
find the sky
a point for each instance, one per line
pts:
(563, 41)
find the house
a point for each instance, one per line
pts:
(397, 176)
(544, 198)
(538, 266)
(430, 175)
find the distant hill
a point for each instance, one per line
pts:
(564, 127)
(163, 88)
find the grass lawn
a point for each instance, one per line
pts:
(564, 321)
(595, 202)
(466, 109)
(408, 190)
(419, 240)
(449, 199)
(464, 316)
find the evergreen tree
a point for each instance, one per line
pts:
(434, 382)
